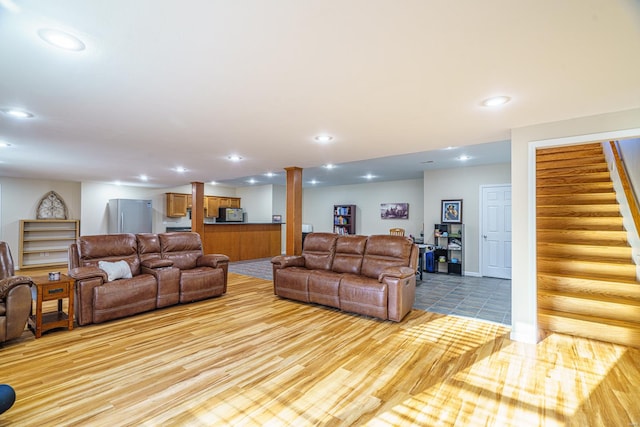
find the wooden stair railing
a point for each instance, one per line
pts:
(586, 278)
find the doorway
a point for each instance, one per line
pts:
(495, 231)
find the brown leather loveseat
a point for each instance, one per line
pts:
(163, 269)
(373, 275)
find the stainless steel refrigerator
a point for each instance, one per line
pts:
(130, 216)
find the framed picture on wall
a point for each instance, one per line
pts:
(394, 210)
(452, 211)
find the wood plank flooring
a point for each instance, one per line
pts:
(251, 359)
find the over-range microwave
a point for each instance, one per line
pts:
(230, 215)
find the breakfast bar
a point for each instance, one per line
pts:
(243, 240)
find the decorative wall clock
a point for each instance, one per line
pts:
(51, 206)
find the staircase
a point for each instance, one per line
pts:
(586, 277)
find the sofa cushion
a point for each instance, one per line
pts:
(200, 283)
(109, 247)
(148, 246)
(183, 248)
(318, 250)
(359, 294)
(384, 251)
(349, 253)
(292, 283)
(124, 298)
(115, 270)
(324, 287)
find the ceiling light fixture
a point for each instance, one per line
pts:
(61, 40)
(496, 101)
(144, 178)
(180, 169)
(17, 114)
(329, 166)
(252, 181)
(213, 183)
(270, 174)
(4, 144)
(323, 138)
(313, 182)
(234, 158)
(463, 158)
(369, 176)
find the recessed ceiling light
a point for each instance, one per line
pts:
(329, 166)
(144, 178)
(496, 101)
(369, 176)
(180, 169)
(313, 182)
(252, 181)
(463, 158)
(270, 174)
(323, 138)
(234, 158)
(213, 183)
(61, 39)
(4, 144)
(18, 114)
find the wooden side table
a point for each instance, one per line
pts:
(50, 290)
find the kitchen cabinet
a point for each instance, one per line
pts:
(177, 204)
(211, 205)
(229, 202)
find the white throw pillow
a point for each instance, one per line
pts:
(115, 270)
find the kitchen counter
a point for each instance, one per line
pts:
(243, 240)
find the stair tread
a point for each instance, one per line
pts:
(604, 282)
(590, 319)
(592, 297)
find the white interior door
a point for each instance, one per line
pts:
(495, 235)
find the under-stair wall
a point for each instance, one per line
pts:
(586, 278)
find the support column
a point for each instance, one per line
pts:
(294, 210)
(197, 209)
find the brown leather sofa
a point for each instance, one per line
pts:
(166, 269)
(374, 275)
(15, 297)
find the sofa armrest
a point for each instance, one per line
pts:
(89, 272)
(401, 293)
(212, 260)
(9, 283)
(396, 273)
(156, 263)
(283, 261)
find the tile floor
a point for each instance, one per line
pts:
(482, 298)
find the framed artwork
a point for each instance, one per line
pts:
(394, 210)
(452, 211)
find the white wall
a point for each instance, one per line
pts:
(461, 183)
(631, 155)
(523, 142)
(20, 198)
(257, 202)
(317, 205)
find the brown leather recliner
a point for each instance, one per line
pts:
(15, 297)
(201, 276)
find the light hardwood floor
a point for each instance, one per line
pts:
(249, 358)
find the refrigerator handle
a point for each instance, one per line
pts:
(121, 222)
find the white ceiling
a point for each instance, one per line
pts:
(167, 83)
